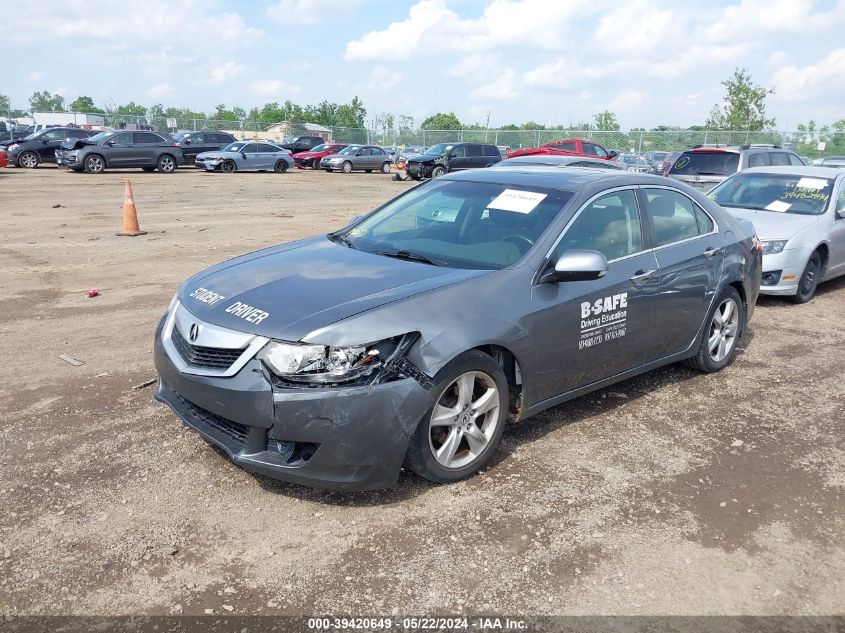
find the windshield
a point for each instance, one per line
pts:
(706, 164)
(32, 136)
(321, 148)
(180, 136)
(346, 151)
(234, 147)
(290, 139)
(780, 193)
(460, 224)
(439, 149)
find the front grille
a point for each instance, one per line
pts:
(204, 357)
(234, 430)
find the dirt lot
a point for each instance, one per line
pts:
(673, 493)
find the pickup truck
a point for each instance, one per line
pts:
(567, 147)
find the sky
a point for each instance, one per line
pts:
(652, 62)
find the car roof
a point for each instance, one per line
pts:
(810, 171)
(548, 159)
(554, 178)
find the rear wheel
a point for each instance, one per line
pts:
(385, 168)
(725, 323)
(29, 160)
(459, 434)
(228, 166)
(280, 167)
(94, 164)
(346, 167)
(809, 279)
(166, 164)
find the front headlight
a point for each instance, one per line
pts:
(321, 364)
(773, 247)
(12, 147)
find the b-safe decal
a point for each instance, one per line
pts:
(603, 320)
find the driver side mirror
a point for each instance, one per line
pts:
(109, 142)
(576, 265)
(840, 212)
(453, 154)
(243, 154)
(187, 141)
(613, 153)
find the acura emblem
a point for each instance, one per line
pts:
(195, 332)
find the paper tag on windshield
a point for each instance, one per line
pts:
(811, 183)
(777, 205)
(517, 201)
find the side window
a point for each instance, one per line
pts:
(840, 202)
(779, 158)
(675, 217)
(124, 138)
(569, 146)
(795, 160)
(760, 159)
(146, 137)
(589, 148)
(599, 150)
(77, 134)
(251, 147)
(460, 151)
(265, 148)
(473, 150)
(364, 151)
(53, 135)
(377, 151)
(491, 150)
(610, 224)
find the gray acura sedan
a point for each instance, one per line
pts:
(414, 334)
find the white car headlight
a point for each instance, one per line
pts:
(773, 247)
(322, 364)
(12, 146)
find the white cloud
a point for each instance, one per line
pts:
(160, 90)
(383, 79)
(503, 88)
(628, 100)
(637, 27)
(308, 11)
(222, 73)
(756, 19)
(805, 84)
(38, 75)
(275, 89)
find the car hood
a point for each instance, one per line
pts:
(307, 285)
(217, 154)
(771, 225)
(312, 154)
(423, 158)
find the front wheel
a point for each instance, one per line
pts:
(385, 168)
(228, 166)
(280, 167)
(166, 164)
(724, 326)
(809, 279)
(347, 167)
(438, 171)
(95, 164)
(29, 160)
(459, 434)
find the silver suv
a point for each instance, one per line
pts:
(704, 167)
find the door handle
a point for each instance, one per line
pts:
(710, 251)
(642, 275)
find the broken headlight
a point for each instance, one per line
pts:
(321, 364)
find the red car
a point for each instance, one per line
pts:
(312, 158)
(4, 158)
(567, 147)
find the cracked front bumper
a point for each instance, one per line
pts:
(360, 433)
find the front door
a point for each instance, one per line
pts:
(689, 250)
(836, 258)
(121, 150)
(585, 331)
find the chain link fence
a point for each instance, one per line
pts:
(811, 145)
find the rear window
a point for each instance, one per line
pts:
(705, 164)
(779, 193)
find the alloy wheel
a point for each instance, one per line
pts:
(464, 420)
(724, 328)
(28, 160)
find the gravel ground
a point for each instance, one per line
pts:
(671, 493)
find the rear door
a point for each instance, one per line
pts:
(378, 156)
(704, 169)
(689, 250)
(585, 331)
(147, 148)
(48, 142)
(265, 156)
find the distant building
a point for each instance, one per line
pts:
(278, 131)
(69, 118)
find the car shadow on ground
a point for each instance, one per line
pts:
(516, 435)
(825, 288)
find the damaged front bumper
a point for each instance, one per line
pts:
(350, 438)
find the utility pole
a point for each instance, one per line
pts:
(487, 127)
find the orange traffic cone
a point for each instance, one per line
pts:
(130, 215)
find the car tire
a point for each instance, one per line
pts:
(280, 167)
(446, 448)
(28, 160)
(346, 167)
(228, 166)
(315, 164)
(438, 171)
(809, 280)
(385, 168)
(166, 164)
(94, 164)
(722, 330)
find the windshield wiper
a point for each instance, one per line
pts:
(412, 257)
(337, 238)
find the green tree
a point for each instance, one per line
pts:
(406, 123)
(743, 107)
(46, 102)
(442, 121)
(5, 105)
(131, 109)
(84, 104)
(351, 114)
(606, 121)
